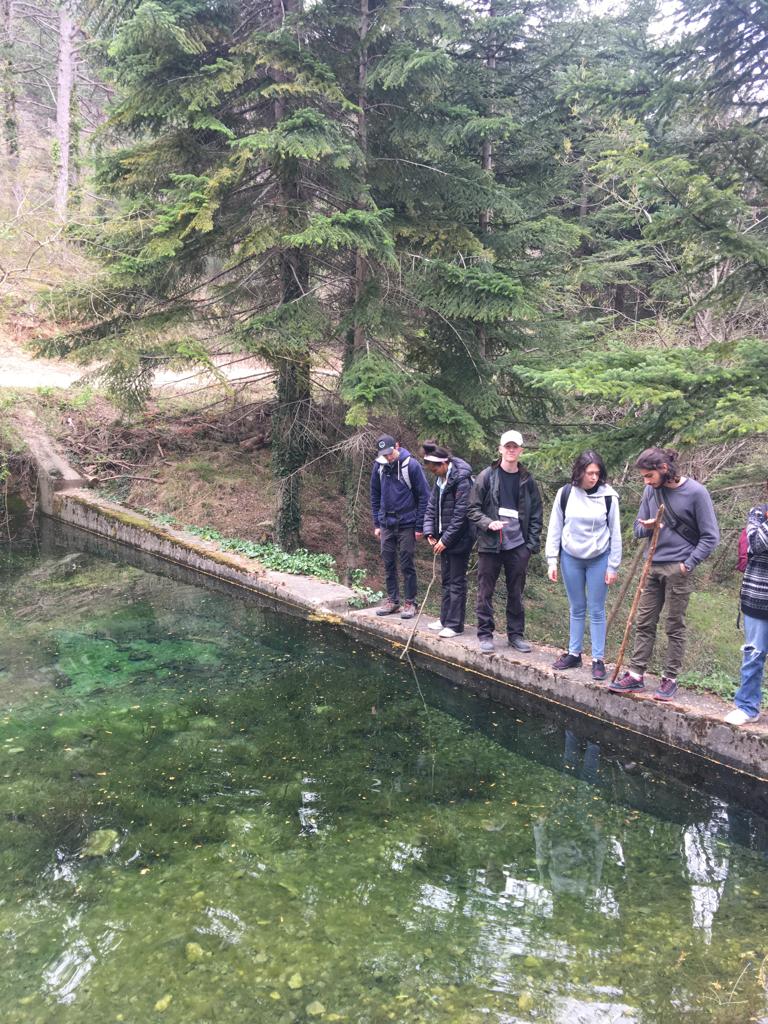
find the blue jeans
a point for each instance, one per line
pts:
(755, 649)
(585, 585)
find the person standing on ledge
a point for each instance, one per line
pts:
(399, 493)
(585, 536)
(449, 532)
(689, 534)
(505, 505)
(754, 608)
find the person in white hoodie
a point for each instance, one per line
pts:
(585, 537)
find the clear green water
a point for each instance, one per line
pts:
(296, 836)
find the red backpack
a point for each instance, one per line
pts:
(741, 564)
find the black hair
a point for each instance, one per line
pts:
(439, 451)
(580, 467)
(655, 458)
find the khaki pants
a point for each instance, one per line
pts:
(665, 585)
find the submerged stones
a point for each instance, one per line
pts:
(100, 843)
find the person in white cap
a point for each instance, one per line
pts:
(505, 505)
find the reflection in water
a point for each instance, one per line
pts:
(284, 848)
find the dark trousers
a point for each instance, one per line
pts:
(489, 565)
(402, 540)
(453, 607)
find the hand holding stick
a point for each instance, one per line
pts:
(640, 587)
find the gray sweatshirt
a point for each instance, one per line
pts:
(584, 532)
(691, 504)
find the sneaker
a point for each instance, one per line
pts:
(409, 610)
(627, 684)
(388, 608)
(739, 717)
(486, 645)
(667, 689)
(446, 632)
(519, 644)
(436, 625)
(567, 660)
(598, 669)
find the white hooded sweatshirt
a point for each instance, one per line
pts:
(585, 531)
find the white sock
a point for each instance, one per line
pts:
(636, 676)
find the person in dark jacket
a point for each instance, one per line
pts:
(449, 532)
(754, 607)
(399, 492)
(505, 506)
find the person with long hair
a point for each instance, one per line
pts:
(449, 532)
(584, 536)
(688, 535)
(754, 608)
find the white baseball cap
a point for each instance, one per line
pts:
(511, 437)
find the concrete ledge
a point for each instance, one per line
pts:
(107, 519)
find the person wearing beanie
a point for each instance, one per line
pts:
(449, 532)
(584, 536)
(505, 506)
(399, 493)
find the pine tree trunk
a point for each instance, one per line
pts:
(356, 341)
(65, 76)
(7, 83)
(486, 159)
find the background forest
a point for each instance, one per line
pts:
(437, 219)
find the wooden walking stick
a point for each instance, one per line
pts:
(640, 587)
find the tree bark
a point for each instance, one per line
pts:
(65, 77)
(7, 82)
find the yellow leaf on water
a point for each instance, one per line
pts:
(162, 1004)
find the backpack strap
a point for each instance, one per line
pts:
(404, 473)
(565, 494)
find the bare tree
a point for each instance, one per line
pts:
(7, 80)
(65, 78)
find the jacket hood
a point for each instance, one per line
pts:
(462, 468)
(606, 491)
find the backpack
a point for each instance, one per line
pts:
(404, 474)
(566, 493)
(743, 558)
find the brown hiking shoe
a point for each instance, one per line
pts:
(388, 608)
(409, 610)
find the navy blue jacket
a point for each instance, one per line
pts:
(446, 516)
(393, 502)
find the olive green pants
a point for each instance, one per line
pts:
(665, 586)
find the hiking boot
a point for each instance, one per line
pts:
(485, 644)
(739, 717)
(446, 632)
(409, 610)
(598, 669)
(567, 660)
(666, 690)
(388, 608)
(436, 625)
(519, 644)
(627, 684)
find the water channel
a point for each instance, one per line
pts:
(213, 812)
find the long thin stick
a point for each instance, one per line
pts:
(640, 588)
(423, 603)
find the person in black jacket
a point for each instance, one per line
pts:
(505, 506)
(449, 532)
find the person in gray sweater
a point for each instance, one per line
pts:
(688, 535)
(584, 536)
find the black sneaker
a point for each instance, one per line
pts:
(627, 684)
(567, 660)
(598, 669)
(667, 689)
(388, 608)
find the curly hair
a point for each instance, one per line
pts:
(656, 458)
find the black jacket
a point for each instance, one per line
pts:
(447, 506)
(484, 509)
